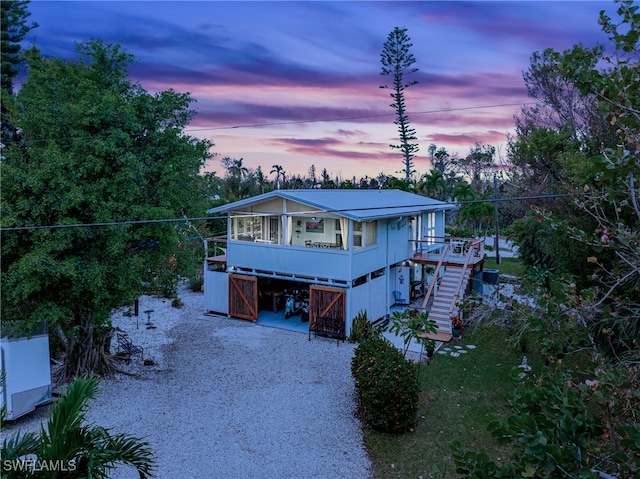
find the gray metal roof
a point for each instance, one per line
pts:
(358, 205)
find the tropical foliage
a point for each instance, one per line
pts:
(95, 149)
(581, 420)
(67, 447)
(387, 386)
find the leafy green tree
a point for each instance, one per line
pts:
(85, 450)
(397, 61)
(326, 180)
(261, 180)
(313, 179)
(97, 149)
(581, 420)
(540, 153)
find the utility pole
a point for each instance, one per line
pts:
(495, 217)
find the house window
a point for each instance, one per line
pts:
(273, 228)
(364, 234)
(371, 229)
(430, 229)
(378, 273)
(359, 281)
(246, 228)
(357, 234)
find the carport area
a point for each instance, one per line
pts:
(272, 304)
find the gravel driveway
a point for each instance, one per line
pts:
(231, 399)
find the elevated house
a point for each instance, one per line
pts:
(345, 250)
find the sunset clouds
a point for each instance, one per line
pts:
(297, 83)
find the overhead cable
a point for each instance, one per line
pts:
(208, 218)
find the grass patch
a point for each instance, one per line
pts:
(457, 395)
(512, 266)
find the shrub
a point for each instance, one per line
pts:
(386, 384)
(361, 328)
(196, 283)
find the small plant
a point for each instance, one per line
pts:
(409, 324)
(429, 347)
(361, 328)
(387, 386)
(456, 322)
(196, 283)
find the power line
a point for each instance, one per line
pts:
(111, 223)
(295, 122)
(208, 218)
(360, 117)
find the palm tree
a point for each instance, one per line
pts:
(237, 170)
(279, 171)
(434, 185)
(77, 449)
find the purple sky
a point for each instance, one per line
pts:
(286, 66)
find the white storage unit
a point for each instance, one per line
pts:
(27, 371)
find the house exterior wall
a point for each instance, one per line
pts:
(216, 291)
(371, 258)
(312, 262)
(369, 297)
(398, 236)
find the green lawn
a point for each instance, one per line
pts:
(512, 266)
(457, 395)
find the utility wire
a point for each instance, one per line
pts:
(361, 117)
(208, 218)
(294, 122)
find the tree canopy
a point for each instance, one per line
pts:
(96, 148)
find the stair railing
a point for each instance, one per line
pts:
(425, 302)
(456, 293)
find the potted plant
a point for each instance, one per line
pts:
(456, 325)
(429, 346)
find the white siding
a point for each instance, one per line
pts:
(216, 291)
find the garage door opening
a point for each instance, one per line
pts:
(283, 304)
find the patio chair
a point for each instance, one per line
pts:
(126, 345)
(398, 299)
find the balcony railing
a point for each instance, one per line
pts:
(431, 248)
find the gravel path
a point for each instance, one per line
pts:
(230, 399)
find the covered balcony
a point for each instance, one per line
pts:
(449, 250)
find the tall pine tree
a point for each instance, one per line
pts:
(13, 20)
(397, 61)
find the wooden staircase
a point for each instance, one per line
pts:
(452, 286)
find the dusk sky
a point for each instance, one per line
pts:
(297, 83)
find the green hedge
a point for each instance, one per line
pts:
(386, 384)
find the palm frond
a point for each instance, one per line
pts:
(127, 449)
(68, 413)
(19, 445)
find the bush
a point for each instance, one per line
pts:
(386, 384)
(196, 283)
(361, 328)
